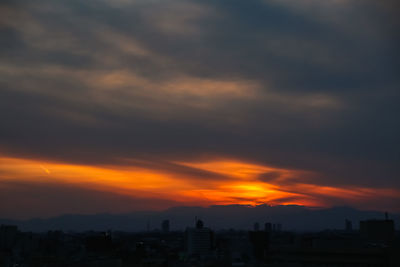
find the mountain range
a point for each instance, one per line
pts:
(218, 217)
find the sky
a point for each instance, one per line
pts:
(118, 105)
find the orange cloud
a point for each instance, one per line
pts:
(126, 180)
(242, 186)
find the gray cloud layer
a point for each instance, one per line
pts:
(294, 84)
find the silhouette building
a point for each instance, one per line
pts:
(349, 226)
(260, 243)
(165, 226)
(8, 235)
(199, 240)
(268, 227)
(377, 231)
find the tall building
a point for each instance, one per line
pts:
(8, 236)
(349, 226)
(256, 226)
(199, 240)
(260, 243)
(268, 227)
(377, 231)
(165, 226)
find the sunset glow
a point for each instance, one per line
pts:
(241, 184)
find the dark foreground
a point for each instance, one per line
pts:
(375, 244)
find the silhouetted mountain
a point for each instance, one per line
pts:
(292, 217)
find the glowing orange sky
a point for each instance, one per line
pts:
(240, 185)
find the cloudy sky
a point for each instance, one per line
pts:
(119, 105)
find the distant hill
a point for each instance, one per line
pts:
(292, 217)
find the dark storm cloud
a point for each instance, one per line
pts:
(97, 81)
